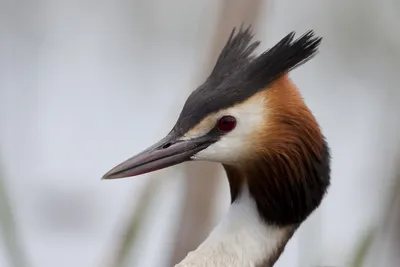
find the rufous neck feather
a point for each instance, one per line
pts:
(289, 170)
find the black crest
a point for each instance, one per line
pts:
(236, 54)
(238, 74)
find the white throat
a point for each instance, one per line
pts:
(242, 239)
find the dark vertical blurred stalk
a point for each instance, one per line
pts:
(201, 178)
(10, 235)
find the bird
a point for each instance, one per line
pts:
(250, 117)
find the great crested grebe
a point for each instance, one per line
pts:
(250, 117)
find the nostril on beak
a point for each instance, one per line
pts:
(167, 145)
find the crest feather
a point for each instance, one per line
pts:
(236, 53)
(285, 56)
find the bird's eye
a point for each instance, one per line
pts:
(226, 123)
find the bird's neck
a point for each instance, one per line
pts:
(271, 197)
(242, 239)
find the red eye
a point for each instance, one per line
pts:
(227, 123)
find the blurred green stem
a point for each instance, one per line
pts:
(363, 249)
(127, 251)
(9, 230)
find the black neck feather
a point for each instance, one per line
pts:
(284, 195)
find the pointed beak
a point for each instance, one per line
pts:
(167, 152)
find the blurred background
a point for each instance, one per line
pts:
(86, 84)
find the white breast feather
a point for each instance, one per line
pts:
(240, 240)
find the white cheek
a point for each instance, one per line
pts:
(226, 150)
(235, 144)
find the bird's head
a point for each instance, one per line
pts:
(251, 118)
